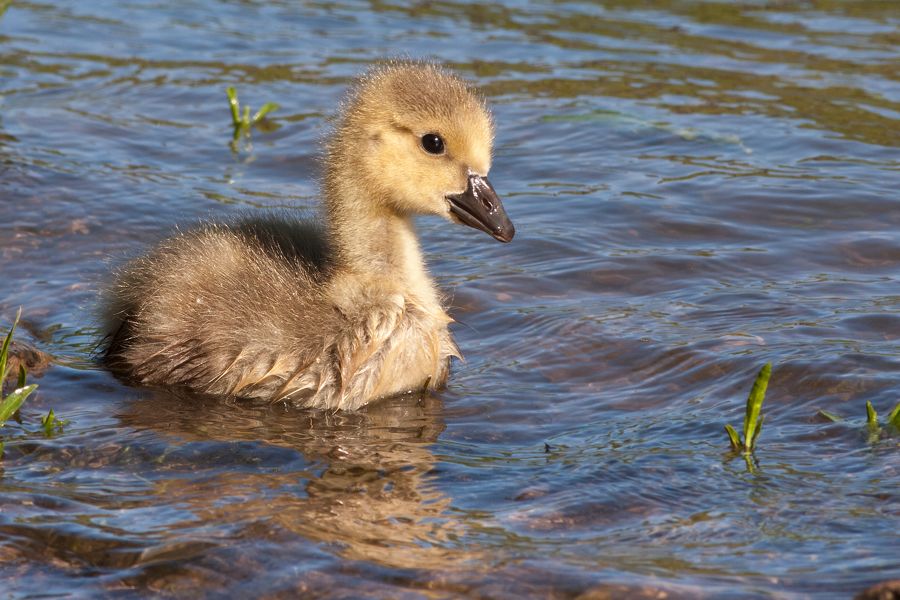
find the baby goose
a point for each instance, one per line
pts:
(331, 315)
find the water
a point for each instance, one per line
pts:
(697, 187)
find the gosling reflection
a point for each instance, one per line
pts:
(361, 484)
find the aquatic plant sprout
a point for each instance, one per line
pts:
(753, 420)
(4, 349)
(893, 420)
(894, 417)
(11, 403)
(51, 424)
(871, 415)
(241, 120)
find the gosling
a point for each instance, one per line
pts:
(332, 314)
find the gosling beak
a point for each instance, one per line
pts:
(480, 207)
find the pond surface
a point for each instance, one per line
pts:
(698, 188)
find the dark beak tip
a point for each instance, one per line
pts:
(479, 207)
(505, 236)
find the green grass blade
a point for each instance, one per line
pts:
(47, 422)
(234, 105)
(262, 112)
(733, 438)
(51, 423)
(22, 375)
(759, 425)
(245, 120)
(831, 416)
(894, 417)
(754, 403)
(12, 403)
(3, 369)
(871, 415)
(4, 349)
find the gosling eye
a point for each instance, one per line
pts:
(433, 143)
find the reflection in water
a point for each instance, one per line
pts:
(363, 486)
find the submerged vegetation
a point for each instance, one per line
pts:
(241, 119)
(753, 419)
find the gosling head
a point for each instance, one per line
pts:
(419, 141)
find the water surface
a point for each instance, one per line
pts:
(697, 187)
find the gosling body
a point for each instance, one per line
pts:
(333, 313)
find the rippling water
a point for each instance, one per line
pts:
(698, 188)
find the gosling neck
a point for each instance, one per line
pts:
(369, 238)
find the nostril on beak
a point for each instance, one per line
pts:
(487, 204)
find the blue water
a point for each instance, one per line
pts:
(698, 188)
